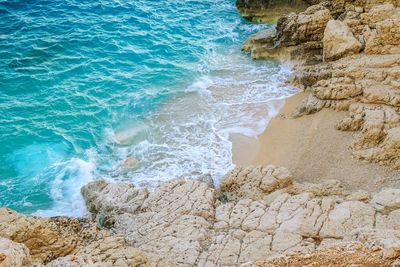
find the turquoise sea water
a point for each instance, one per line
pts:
(86, 84)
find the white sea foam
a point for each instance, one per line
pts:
(65, 189)
(188, 136)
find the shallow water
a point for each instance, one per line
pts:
(86, 84)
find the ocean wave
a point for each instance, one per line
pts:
(99, 82)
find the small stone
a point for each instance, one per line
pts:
(130, 164)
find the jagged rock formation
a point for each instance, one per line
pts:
(347, 55)
(61, 241)
(13, 254)
(269, 10)
(255, 214)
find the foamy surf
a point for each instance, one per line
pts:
(70, 176)
(187, 136)
(159, 101)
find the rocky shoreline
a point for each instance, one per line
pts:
(256, 213)
(346, 55)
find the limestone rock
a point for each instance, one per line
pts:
(13, 254)
(347, 216)
(340, 255)
(174, 222)
(50, 239)
(254, 182)
(182, 223)
(360, 195)
(264, 37)
(379, 133)
(359, 41)
(326, 188)
(297, 36)
(76, 261)
(104, 198)
(268, 10)
(58, 237)
(336, 89)
(311, 24)
(339, 41)
(387, 199)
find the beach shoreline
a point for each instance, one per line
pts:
(319, 186)
(311, 148)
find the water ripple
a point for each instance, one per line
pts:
(76, 75)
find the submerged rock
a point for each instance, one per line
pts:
(269, 10)
(130, 164)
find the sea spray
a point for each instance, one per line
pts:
(84, 86)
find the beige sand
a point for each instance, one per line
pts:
(312, 149)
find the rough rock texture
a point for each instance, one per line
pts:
(173, 222)
(268, 10)
(352, 254)
(58, 237)
(339, 41)
(347, 55)
(255, 214)
(387, 200)
(13, 254)
(105, 199)
(254, 182)
(42, 240)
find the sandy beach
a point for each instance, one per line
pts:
(312, 149)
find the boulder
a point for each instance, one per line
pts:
(106, 199)
(339, 41)
(13, 254)
(387, 199)
(268, 10)
(58, 236)
(254, 182)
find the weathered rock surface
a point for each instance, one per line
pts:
(62, 241)
(13, 254)
(255, 214)
(353, 254)
(347, 55)
(174, 224)
(339, 41)
(104, 199)
(254, 182)
(387, 200)
(46, 239)
(269, 10)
